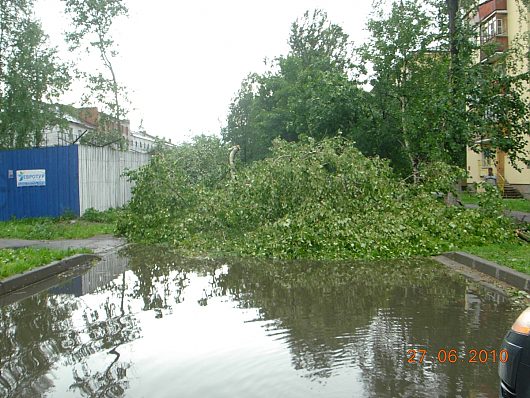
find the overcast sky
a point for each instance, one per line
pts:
(183, 61)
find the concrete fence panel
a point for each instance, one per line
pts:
(101, 181)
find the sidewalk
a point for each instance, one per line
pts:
(518, 215)
(98, 244)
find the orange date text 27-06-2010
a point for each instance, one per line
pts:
(454, 356)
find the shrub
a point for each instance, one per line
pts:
(108, 216)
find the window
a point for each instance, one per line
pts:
(492, 28)
(484, 34)
(500, 27)
(487, 158)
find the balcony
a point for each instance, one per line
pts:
(501, 45)
(493, 35)
(489, 7)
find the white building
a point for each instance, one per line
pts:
(142, 142)
(139, 141)
(59, 136)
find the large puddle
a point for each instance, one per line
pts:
(151, 324)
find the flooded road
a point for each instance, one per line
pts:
(148, 323)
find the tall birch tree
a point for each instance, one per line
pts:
(91, 23)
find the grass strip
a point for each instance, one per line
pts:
(16, 261)
(513, 255)
(511, 204)
(517, 205)
(50, 229)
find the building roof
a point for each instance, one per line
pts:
(151, 138)
(75, 120)
(69, 113)
(143, 135)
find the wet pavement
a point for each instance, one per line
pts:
(149, 323)
(98, 244)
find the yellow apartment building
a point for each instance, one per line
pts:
(501, 21)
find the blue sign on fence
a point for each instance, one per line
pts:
(31, 178)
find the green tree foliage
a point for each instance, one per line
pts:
(430, 96)
(458, 37)
(487, 100)
(309, 199)
(178, 180)
(308, 92)
(498, 107)
(91, 27)
(244, 125)
(409, 84)
(31, 77)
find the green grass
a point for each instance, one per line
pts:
(92, 223)
(513, 255)
(49, 228)
(511, 204)
(109, 216)
(468, 198)
(518, 204)
(16, 261)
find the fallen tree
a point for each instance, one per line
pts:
(307, 200)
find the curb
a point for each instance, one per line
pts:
(38, 274)
(500, 272)
(521, 216)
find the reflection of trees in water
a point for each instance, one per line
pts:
(115, 329)
(108, 327)
(338, 315)
(40, 332)
(112, 382)
(35, 332)
(368, 316)
(331, 316)
(158, 278)
(163, 276)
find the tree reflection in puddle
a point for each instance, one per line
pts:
(149, 322)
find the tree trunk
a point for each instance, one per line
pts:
(233, 152)
(452, 10)
(413, 160)
(115, 88)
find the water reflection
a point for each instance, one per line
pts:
(148, 322)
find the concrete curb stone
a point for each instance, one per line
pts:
(38, 274)
(500, 272)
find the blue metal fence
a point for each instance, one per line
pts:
(28, 191)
